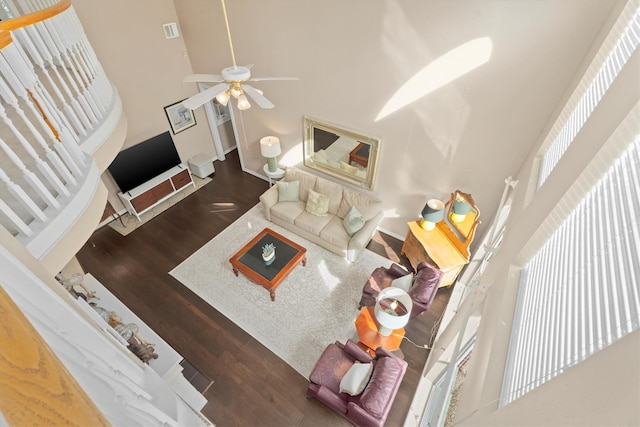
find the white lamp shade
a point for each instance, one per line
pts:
(243, 102)
(270, 146)
(223, 97)
(390, 319)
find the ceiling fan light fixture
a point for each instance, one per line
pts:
(236, 92)
(243, 102)
(232, 82)
(223, 97)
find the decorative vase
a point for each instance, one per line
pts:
(268, 259)
(269, 253)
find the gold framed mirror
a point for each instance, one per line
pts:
(461, 220)
(340, 152)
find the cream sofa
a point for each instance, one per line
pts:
(326, 230)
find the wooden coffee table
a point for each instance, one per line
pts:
(249, 260)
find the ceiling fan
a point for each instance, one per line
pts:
(231, 83)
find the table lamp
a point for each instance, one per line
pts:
(459, 210)
(270, 148)
(432, 213)
(392, 310)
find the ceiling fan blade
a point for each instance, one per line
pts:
(205, 96)
(257, 96)
(206, 78)
(262, 79)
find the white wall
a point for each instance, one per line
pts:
(600, 390)
(146, 68)
(351, 56)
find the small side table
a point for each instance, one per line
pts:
(369, 335)
(279, 173)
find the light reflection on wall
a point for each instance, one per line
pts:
(445, 69)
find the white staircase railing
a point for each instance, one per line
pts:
(55, 97)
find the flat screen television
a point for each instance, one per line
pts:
(140, 163)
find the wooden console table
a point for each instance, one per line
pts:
(434, 247)
(157, 190)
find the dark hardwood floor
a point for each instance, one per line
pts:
(251, 386)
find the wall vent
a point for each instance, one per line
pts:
(170, 30)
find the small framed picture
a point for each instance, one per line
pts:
(180, 117)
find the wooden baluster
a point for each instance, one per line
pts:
(52, 156)
(26, 7)
(65, 46)
(73, 42)
(104, 92)
(47, 121)
(9, 11)
(28, 175)
(56, 49)
(42, 166)
(17, 222)
(57, 121)
(22, 197)
(38, 53)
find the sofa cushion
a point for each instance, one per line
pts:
(353, 221)
(288, 211)
(288, 191)
(425, 283)
(335, 233)
(382, 386)
(356, 378)
(317, 203)
(331, 189)
(312, 223)
(368, 206)
(307, 181)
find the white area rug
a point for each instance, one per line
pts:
(130, 223)
(315, 305)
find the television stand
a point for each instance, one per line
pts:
(155, 191)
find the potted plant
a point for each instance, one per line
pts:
(269, 253)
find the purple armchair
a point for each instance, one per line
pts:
(372, 406)
(423, 289)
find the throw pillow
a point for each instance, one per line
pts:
(356, 378)
(288, 191)
(317, 203)
(403, 282)
(366, 205)
(353, 221)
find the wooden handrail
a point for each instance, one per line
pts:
(30, 19)
(36, 388)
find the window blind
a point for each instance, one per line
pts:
(611, 66)
(580, 292)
